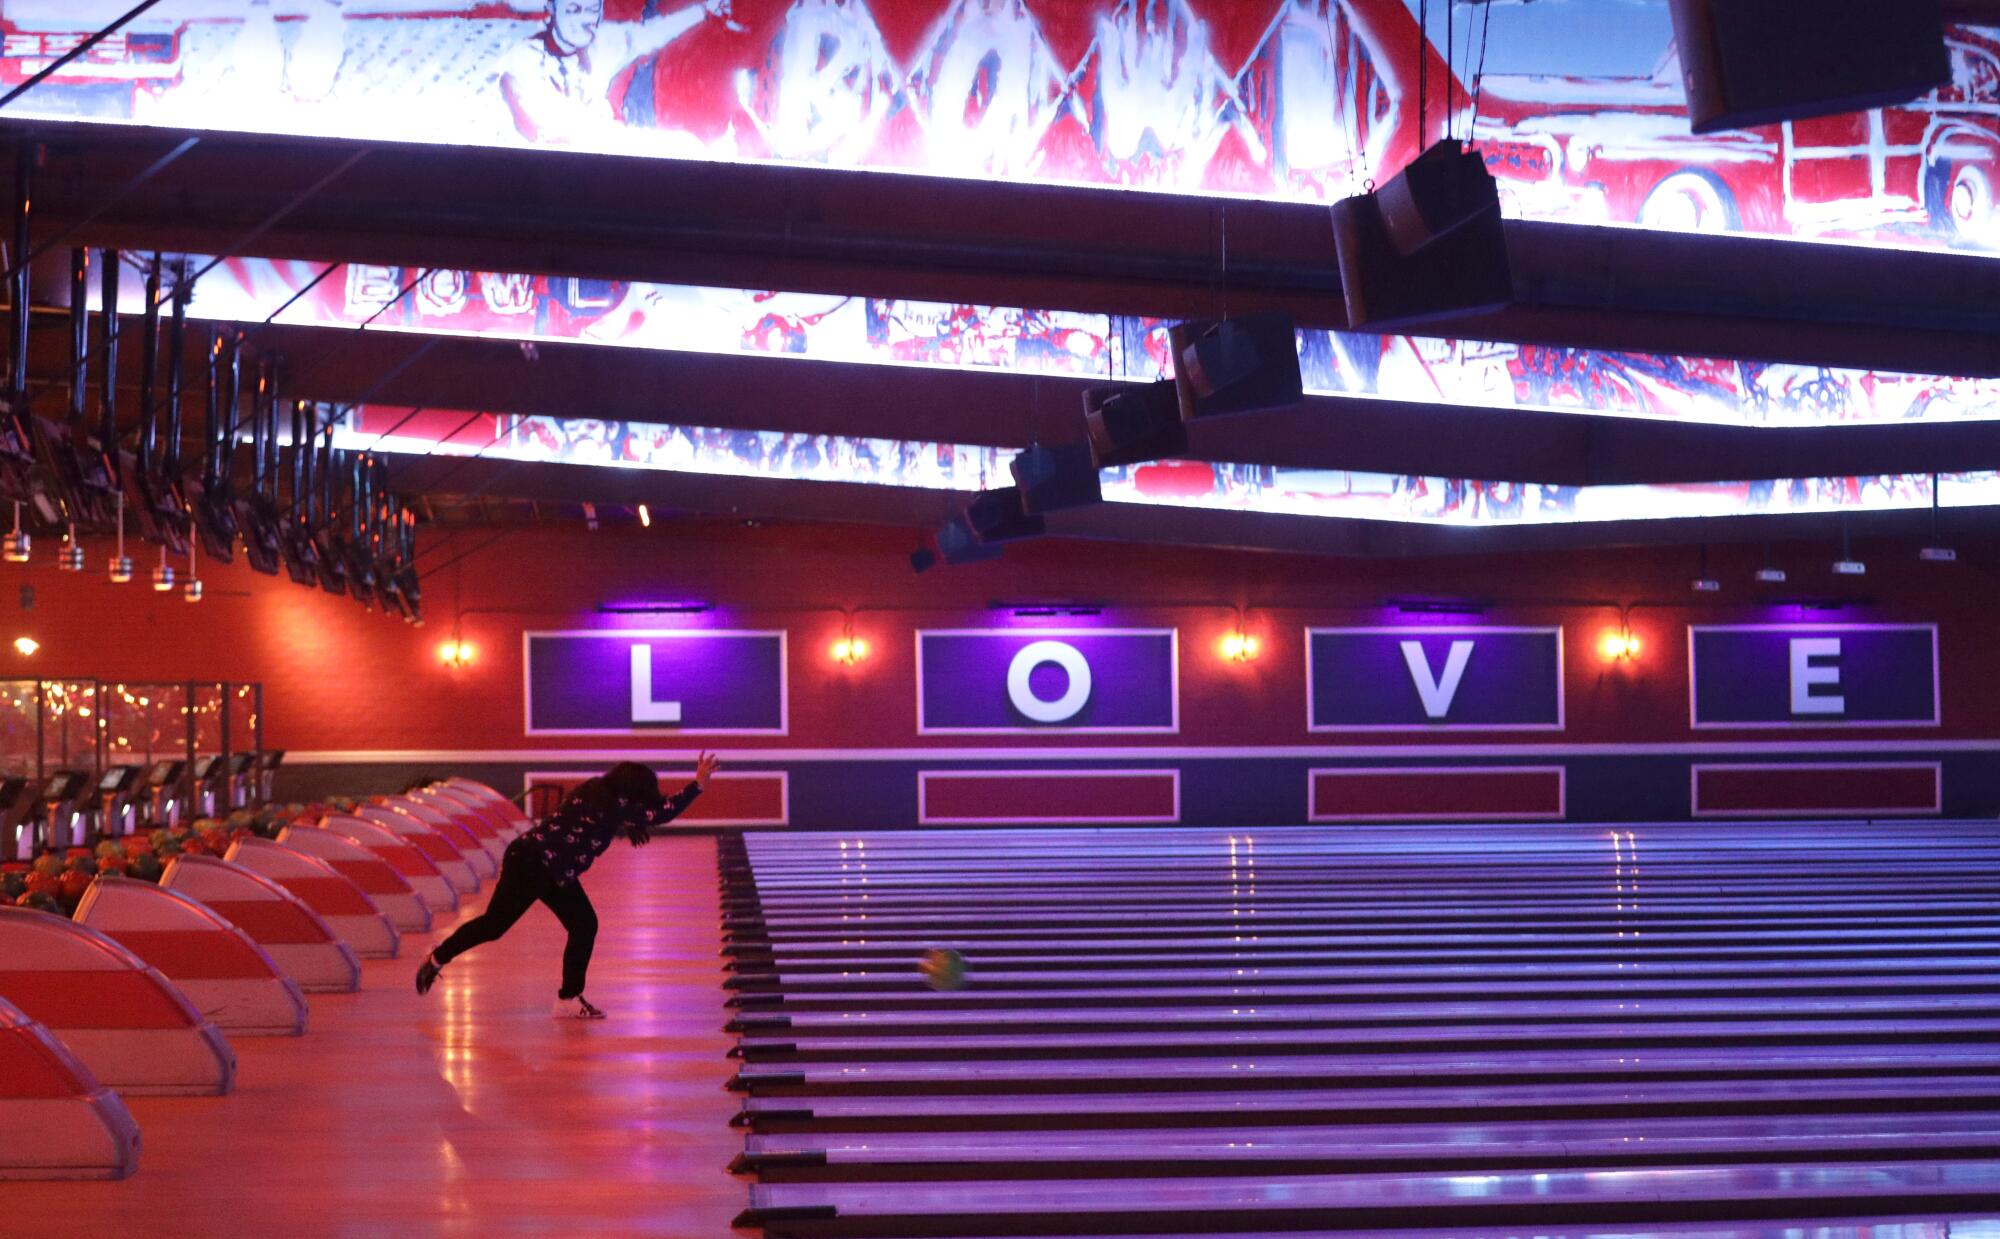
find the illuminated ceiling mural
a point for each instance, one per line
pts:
(1195, 484)
(872, 330)
(1294, 99)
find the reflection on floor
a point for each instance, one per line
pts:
(469, 1112)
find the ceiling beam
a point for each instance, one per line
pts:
(860, 233)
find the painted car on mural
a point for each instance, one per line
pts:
(1619, 150)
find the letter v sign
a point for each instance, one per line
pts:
(644, 708)
(1436, 692)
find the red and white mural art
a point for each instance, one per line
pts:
(1350, 494)
(1297, 99)
(873, 330)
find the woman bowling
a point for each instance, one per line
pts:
(547, 862)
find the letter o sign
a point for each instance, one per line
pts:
(1063, 655)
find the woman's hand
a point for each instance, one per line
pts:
(703, 767)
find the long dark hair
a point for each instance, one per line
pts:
(626, 781)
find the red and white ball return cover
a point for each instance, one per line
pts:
(56, 1120)
(436, 848)
(486, 829)
(336, 898)
(478, 842)
(507, 811)
(133, 1029)
(224, 974)
(467, 850)
(291, 933)
(408, 859)
(384, 884)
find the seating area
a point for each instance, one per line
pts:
(1552, 1030)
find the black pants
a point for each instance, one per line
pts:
(522, 882)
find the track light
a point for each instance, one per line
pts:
(15, 546)
(71, 559)
(121, 563)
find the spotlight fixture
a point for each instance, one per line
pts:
(26, 646)
(1772, 576)
(1704, 583)
(121, 563)
(72, 558)
(191, 587)
(1847, 564)
(1938, 555)
(15, 546)
(163, 576)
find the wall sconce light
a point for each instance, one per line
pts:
(849, 650)
(26, 646)
(456, 653)
(1238, 646)
(163, 576)
(1617, 645)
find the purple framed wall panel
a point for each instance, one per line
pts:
(654, 682)
(1816, 789)
(1434, 678)
(1813, 675)
(1076, 681)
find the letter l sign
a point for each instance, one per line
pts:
(1437, 693)
(644, 708)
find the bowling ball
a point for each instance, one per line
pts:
(74, 883)
(942, 969)
(49, 863)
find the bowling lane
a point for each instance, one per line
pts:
(1335, 1032)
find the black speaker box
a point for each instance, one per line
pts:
(1464, 272)
(1442, 190)
(959, 545)
(997, 516)
(1755, 62)
(1235, 365)
(1052, 477)
(1130, 424)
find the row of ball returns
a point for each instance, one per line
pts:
(1515, 1030)
(138, 992)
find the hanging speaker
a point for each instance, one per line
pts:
(959, 545)
(1052, 477)
(1235, 365)
(1755, 62)
(1131, 423)
(997, 516)
(1464, 271)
